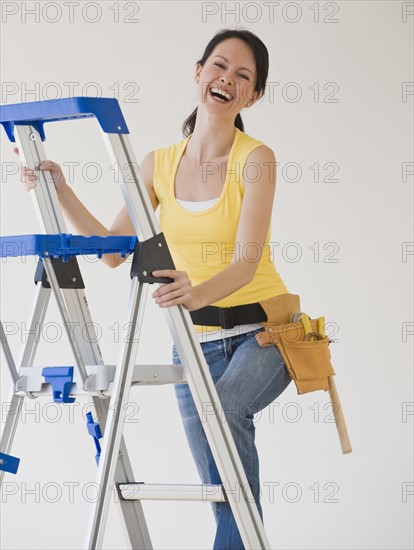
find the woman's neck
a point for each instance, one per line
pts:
(211, 139)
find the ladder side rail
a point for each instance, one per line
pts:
(8, 355)
(35, 325)
(14, 406)
(116, 416)
(132, 187)
(51, 220)
(80, 318)
(134, 524)
(217, 430)
(45, 198)
(84, 331)
(66, 319)
(14, 409)
(196, 369)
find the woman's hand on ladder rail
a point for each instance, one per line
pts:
(30, 177)
(181, 291)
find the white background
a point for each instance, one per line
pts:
(339, 244)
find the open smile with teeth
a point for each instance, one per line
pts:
(221, 95)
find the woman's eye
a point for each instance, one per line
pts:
(221, 66)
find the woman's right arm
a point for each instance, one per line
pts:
(79, 216)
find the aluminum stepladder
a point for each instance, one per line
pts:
(23, 123)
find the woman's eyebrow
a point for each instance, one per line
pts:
(225, 59)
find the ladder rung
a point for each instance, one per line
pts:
(159, 491)
(100, 377)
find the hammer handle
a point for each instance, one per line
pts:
(339, 417)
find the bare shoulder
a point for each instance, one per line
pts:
(146, 169)
(261, 153)
(265, 159)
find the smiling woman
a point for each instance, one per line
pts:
(215, 189)
(216, 217)
(250, 74)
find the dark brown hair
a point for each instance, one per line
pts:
(261, 56)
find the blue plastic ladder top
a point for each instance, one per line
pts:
(36, 113)
(9, 463)
(65, 245)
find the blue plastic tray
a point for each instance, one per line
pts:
(36, 113)
(65, 245)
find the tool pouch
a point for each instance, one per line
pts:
(279, 309)
(308, 361)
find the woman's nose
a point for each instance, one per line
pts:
(226, 80)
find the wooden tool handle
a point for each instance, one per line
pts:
(339, 417)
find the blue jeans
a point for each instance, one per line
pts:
(247, 378)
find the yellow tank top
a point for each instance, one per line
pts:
(203, 243)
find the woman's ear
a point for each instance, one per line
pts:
(199, 68)
(254, 98)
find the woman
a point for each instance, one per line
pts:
(215, 189)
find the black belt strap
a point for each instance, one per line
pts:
(228, 317)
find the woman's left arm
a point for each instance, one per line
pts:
(255, 217)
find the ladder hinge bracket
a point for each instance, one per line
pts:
(67, 273)
(149, 256)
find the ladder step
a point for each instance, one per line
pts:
(100, 378)
(159, 491)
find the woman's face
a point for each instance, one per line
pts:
(231, 68)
